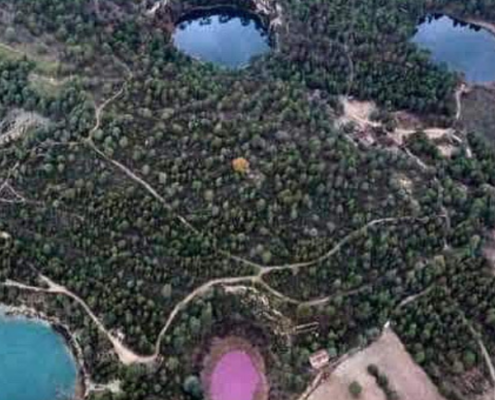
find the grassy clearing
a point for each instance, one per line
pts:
(44, 77)
(43, 66)
(46, 84)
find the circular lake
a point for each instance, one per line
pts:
(463, 48)
(35, 363)
(226, 37)
(235, 377)
(234, 370)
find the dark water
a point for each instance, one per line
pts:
(224, 37)
(35, 363)
(462, 48)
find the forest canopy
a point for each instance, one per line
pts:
(151, 186)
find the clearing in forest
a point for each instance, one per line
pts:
(392, 359)
(17, 123)
(360, 113)
(44, 64)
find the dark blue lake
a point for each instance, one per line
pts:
(227, 38)
(462, 48)
(35, 363)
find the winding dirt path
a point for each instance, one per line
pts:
(414, 297)
(479, 339)
(129, 357)
(136, 178)
(262, 269)
(458, 100)
(195, 293)
(126, 355)
(99, 110)
(342, 242)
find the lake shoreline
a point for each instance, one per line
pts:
(221, 347)
(226, 37)
(447, 36)
(488, 26)
(83, 381)
(480, 23)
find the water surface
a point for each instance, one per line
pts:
(225, 37)
(35, 363)
(462, 48)
(234, 377)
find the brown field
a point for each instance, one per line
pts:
(389, 354)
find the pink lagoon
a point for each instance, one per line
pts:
(234, 377)
(235, 371)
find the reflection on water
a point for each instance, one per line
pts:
(462, 48)
(225, 37)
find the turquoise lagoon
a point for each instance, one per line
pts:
(35, 362)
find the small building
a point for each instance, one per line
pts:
(319, 359)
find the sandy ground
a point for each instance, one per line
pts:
(359, 112)
(17, 123)
(389, 354)
(113, 387)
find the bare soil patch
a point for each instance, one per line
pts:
(360, 114)
(17, 123)
(392, 359)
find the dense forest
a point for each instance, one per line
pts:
(129, 195)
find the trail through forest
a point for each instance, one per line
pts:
(129, 357)
(126, 355)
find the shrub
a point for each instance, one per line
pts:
(355, 389)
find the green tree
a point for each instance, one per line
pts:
(192, 386)
(355, 389)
